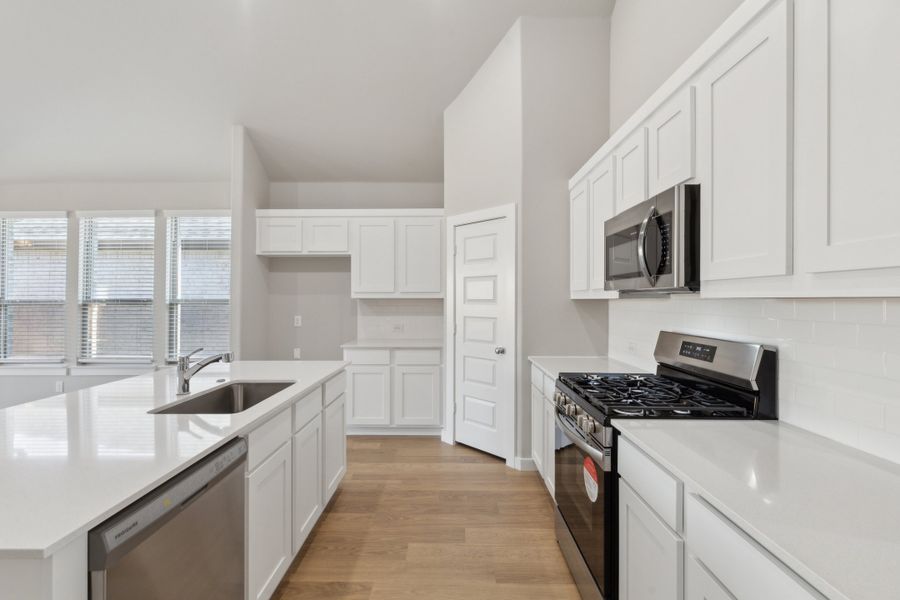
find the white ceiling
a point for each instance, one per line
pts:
(331, 90)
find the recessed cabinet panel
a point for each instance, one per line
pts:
(334, 447)
(369, 395)
(601, 183)
(631, 170)
(671, 142)
(372, 264)
(324, 235)
(307, 465)
(847, 120)
(269, 523)
(699, 584)
(744, 149)
(538, 437)
(550, 447)
(417, 395)
(279, 235)
(578, 238)
(419, 257)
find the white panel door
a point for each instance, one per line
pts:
(485, 334)
(334, 447)
(847, 126)
(651, 556)
(269, 523)
(420, 259)
(601, 193)
(671, 142)
(368, 395)
(631, 170)
(538, 435)
(579, 250)
(325, 235)
(279, 235)
(417, 395)
(307, 480)
(372, 262)
(699, 584)
(744, 152)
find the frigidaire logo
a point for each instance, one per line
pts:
(127, 529)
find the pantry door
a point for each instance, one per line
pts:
(484, 335)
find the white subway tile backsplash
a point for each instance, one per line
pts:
(839, 359)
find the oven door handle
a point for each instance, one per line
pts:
(601, 457)
(641, 246)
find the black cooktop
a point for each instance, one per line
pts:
(634, 396)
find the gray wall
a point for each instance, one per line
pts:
(649, 39)
(355, 194)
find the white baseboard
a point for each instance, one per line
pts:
(417, 431)
(521, 463)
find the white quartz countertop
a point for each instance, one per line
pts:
(71, 461)
(554, 365)
(423, 343)
(828, 511)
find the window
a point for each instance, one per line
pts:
(32, 289)
(116, 288)
(198, 284)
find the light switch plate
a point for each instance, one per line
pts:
(297, 353)
(298, 321)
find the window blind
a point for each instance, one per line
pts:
(116, 288)
(32, 289)
(198, 284)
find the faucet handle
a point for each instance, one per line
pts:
(185, 360)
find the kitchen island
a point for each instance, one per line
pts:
(70, 461)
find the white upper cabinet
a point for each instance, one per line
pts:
(631, 170)
(420, 252)
(279, 235)
(372, 247)
(671, 142)
(847, 120)
(579, 244)
(744, 152)
(601, 194)
(325, 235)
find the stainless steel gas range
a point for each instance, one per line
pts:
(696, 378)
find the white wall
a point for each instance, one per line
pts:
(249, 293)
(649, 39)
(355, 194)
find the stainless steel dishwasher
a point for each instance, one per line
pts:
(185, 539)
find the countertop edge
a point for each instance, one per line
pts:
(427, 344)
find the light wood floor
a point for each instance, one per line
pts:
(418, 519)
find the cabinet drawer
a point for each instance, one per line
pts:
(306, 409)
(656, 486)
(417, 357)
(367, 356)
(267, 438)
(537, 377)
(549, 388)
(334, 387)
(744, 567)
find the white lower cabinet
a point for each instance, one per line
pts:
(417, 393)
(538, 435)
(651, 556)
(335, 446)
(269, 523)
(543, 426)
(700, 583)
(369, 391)
(550, 447)
(308, 480)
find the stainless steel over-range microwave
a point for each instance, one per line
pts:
(655, 246)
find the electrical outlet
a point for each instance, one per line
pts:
(297, 353)
(59, 387)
(632, 348)
(399, 328)
(298, 321)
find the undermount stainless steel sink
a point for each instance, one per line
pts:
(229, 399)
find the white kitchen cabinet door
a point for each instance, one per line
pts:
(538, 435)
(579, 250)
(372, 260)
(334, 433)
(847, 94)
(279, 235)
(269, 523)
(671, 142)
(631, 170)
(417, 395)
(700, 584)
(550, 447)
(651, 556)
(601, 195)
(325, 235)
(420, 257)
(369, 395)
(307, 480)
(744, 152)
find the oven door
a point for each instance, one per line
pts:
(586, 499)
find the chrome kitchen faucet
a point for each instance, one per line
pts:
(186, 371)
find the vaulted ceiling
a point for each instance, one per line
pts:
(331, 90)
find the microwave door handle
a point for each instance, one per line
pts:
(641, 247)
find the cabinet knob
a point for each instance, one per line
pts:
(499, 350)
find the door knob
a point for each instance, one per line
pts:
(499, 350)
